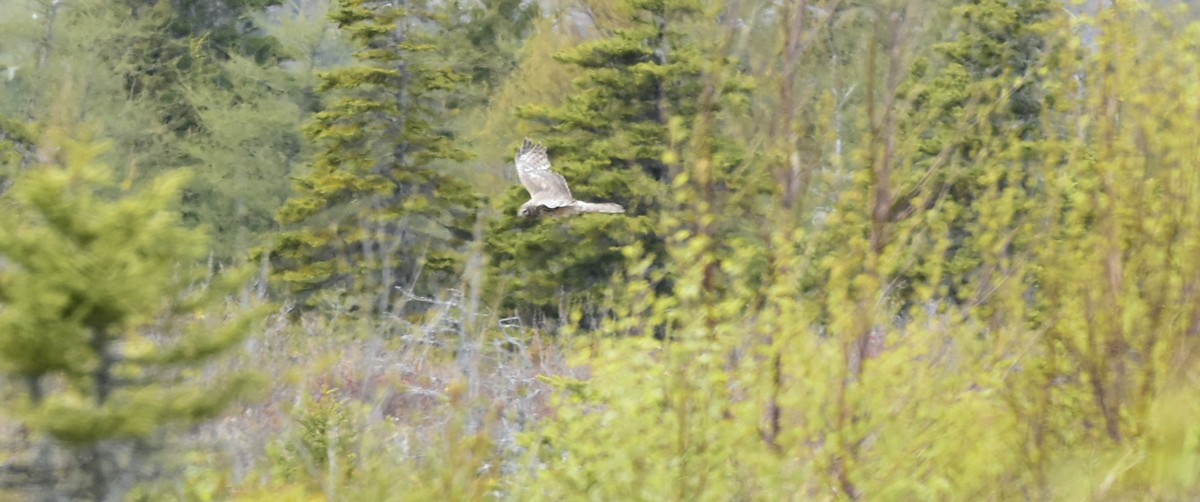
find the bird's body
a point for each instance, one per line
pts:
(548, 190)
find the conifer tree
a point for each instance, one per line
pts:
(102, 326)
(192, 48)
(171, 40)
(376, 212)
(984, 96)
(536, 79)
(610, 140)
(487, 37)
(248, 140)
(139, 67)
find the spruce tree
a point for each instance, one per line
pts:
(159, 75)
(485, 39)
(248, 140)
(171, 40)
(103, 327)
(377, 213)
(983, 97)
(611, 141)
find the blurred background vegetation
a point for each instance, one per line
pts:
(877, 250)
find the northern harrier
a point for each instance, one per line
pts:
(548, 192)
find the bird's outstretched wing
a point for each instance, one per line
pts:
(546, 187)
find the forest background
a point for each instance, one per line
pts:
(881, 250)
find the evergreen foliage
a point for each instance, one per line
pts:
(938, 250)
(198, 62)
(490, 34)
(610, 140)
(376, 211)
(985, 93)
(1028, 372)
(163, 76)
(247, 141)
(103, 323)
(537, 79)
(173, 40)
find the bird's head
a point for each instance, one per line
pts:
(529, 211)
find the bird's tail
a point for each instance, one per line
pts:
(598, 207)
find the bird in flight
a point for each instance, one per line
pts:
(548, 192)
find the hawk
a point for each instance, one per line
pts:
(548, 192)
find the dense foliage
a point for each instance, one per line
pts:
(891, 250)
(374, 211)
(101, 330)
(610, 137)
